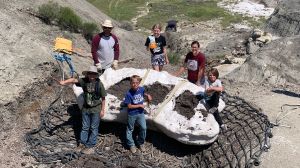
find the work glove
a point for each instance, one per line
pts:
(99, 67)
(115, 64)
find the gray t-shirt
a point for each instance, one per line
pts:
(208, 84)
(106, 51)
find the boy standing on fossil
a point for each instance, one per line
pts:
(134, 100)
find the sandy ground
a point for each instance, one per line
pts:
(285, 146)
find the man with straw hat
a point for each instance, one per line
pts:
(93, 107)
(105, 48)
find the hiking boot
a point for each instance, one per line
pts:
(132, 149)
(142, 148)
(79, 148)
(212, 110)
(224, 127)
(88, 151)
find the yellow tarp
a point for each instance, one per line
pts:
(63, 45)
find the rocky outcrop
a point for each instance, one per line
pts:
(277, 63)
(285, 21)
(270, 3)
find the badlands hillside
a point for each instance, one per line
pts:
(268, 79)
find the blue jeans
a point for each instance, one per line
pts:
(90, 121)
(140, 120)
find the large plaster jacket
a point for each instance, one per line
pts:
(197, 130)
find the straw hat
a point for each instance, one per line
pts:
(107, 23)
(93, 69)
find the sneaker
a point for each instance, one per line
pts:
(88, 151)
(142, 148)
(133, 149)
(224, 127)
(202, 101)
(212, 110)
(79, 148)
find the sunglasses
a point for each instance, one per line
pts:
(107, 28)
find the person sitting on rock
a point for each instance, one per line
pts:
(93, 108)
(156, 44)
(194, 62)
(134, 100)
(213, 88)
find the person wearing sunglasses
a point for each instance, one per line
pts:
(105, 48)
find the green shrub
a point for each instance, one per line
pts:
(67, 19)
(126, 25)
(89, 29)
(119, 10)
(174, 58)
(48, 12)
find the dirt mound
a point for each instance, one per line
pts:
(185, 104)
(157, 90)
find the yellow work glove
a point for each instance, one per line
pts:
(99, 67)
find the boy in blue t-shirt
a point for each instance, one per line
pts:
(134, 100)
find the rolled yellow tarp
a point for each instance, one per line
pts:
(63, 45)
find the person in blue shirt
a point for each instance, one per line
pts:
(134, 100)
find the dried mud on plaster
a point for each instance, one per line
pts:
(156, 90)
(186, 103)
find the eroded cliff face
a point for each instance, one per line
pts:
(285, 21)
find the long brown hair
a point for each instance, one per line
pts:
(215, 72)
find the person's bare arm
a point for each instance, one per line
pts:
(200, 75)
(69, 81)
(102, 107)
(180, 71)
(149, 97)
(215, 88)
(133, 106)
(166, 56)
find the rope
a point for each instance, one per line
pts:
(61, 57)
(280, 115)
(144, 77)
